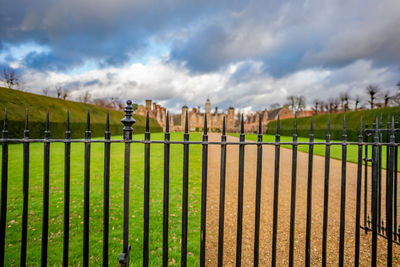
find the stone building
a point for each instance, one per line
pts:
(214, 119)
(156, 111)
(252, 120)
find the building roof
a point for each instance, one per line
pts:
(273, 113)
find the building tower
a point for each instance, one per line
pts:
(208, 106)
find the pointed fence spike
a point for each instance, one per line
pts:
(312, 125)
(26, 119)
(205, 123)
(295, 125)
(167, 123)
(242, 125)
(329, 123)
(47, 120)
(67, 120)
(260, 124)
(186, 123)
(5, 120)
(278, 125)
(344, 124)
(147, 122)
(360, 126)
(223, 127)
(88, 121)
(108, 122)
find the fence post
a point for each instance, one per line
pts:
(128, 121)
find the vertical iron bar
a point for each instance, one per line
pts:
(374, 195)
(128, 121)
(258, 193)
(4, 185)
(358, 198)
(46, 178)
(166, 193)
(106, 212)
(86, 194)
(276, 195)
(146, 201)
(380, 175)
(343, 195)
(25, 191)
(222, 198)
(185, 193)
(293, 195)
(67, 174)
(204, 195)
(326, 193)
(309, 194)
(240, 197)
(389, 197)
(396, 140)
(366, 178)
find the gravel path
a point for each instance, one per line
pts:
(284, 210)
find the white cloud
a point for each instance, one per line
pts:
(174, 85)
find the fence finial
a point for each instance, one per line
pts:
(360, 126)
(147, 123)
(88, 121)
(167, 123)
(186, 123)
(242, 125)
(260, 125)
(295, 125)
(223, 126)
(312, 125)
(205, 123)
(128, 121)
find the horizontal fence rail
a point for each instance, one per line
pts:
(376, 194)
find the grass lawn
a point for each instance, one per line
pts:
(14, 208)
(336, 150)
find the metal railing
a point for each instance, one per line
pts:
(373, 225)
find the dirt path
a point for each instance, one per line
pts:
(284, 209)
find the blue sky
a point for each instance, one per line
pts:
(249, 54)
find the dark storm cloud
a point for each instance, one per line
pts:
(110, 32)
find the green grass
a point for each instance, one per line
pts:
(321, 122)
(14, 209)
(17, 102)
(336, 150)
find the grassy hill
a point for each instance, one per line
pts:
(321, 122)
(17, 102)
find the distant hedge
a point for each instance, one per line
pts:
(321, 122)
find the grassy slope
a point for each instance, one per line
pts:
(321, 121)
(14, 210)
(17, 101)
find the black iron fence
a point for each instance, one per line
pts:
(373, 207)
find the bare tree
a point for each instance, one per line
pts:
(10, 77)
(386, 98)
(316, 106)
(357, 100)
(322, 106)
(65, 94)
(372, 90)
(296, 103)
(86, 97)
(344, 101)
(45, 91)
(59, 90)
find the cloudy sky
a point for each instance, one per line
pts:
(249, 54)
